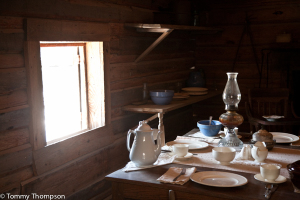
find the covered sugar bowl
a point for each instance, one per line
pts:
(264, 136)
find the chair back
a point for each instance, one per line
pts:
(267, 101)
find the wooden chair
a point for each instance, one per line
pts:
(269, 101)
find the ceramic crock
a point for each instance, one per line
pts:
(294, 172)
(196, 79)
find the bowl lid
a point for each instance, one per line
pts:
(262, 135)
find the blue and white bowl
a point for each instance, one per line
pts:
(209, 130)
(162, 97)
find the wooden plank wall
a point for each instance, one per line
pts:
(216, 53)
(78, 172)
(81, 175)
(163, 68)
(15, 152)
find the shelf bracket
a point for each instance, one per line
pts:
(166, 32)
(161, 128)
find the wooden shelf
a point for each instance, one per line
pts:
(166, 29)
(162, 27)
(160, 110)
(150, 107)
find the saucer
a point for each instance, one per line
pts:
(280, 179)
(188, 155)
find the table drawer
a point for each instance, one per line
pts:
(133, 191)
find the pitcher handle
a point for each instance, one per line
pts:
(257, 151)
(128, 139)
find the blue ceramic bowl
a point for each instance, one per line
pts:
(209, 130)
(162, 97)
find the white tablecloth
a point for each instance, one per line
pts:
(281, 156)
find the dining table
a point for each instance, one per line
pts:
(143, 183)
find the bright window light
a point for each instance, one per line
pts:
(69, 106)
(61, 89)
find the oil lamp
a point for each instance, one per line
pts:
(231, 119)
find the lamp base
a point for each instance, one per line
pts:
(231, 140)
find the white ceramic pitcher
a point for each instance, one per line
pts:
(144, 151)
(259, 151)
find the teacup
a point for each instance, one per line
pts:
(180, 149)
(270, 172)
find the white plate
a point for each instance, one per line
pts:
(272, 117)
(280, 179)
(284, 137)
(188, 155)
(181, 96)
(194, 89)
(192, 144)
(219, 179)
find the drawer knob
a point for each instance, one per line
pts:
(171, 195)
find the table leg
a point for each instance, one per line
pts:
(117, 193)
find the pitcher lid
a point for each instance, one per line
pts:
(143, 126)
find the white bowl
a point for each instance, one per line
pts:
(224, 154)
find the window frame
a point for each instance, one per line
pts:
(47, 30)
(95, 103)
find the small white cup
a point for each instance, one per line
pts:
(180, 149)
(270, 172)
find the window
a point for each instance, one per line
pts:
(91, 33)
(73, 88)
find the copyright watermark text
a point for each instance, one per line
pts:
(32, 195)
